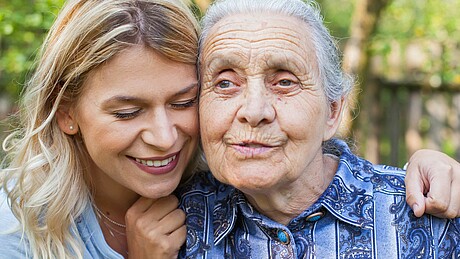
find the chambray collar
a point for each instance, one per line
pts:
(349, 198)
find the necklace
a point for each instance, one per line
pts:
(107, 218)
(111, 230)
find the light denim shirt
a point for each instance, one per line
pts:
(362, 214)
(13, 246)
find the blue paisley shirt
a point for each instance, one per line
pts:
(362, 214)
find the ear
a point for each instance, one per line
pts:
(66, 121)
(336, 109)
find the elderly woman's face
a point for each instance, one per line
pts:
(263, 113)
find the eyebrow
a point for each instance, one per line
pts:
(224, 60)
(187, 89)
(128, 98)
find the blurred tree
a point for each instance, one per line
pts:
(405, 53)
(355, 61)
(23, 25)
(202, 4)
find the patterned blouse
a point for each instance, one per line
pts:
(362, 214)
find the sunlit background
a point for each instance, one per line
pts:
(405, 54)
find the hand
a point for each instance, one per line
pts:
(155, 228)
(433, 184)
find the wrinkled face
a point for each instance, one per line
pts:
(263, 113)
(138, 119)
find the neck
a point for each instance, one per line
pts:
(286, 202)
(115, 204)
(112, 198)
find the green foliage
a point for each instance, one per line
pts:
(429, 21)
(23, 26)
(337, 17)
(24, 23)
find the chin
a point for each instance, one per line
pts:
(161, 190)
(253, 183)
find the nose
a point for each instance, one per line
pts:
(256, 106)
(160, 132)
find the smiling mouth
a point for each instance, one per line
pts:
(156, 163)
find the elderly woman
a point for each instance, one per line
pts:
(272, 97)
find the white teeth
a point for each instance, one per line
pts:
(156, 163)
(165, 162)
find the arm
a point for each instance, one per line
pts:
(433, 184)
(155, 228)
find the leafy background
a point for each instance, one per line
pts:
(409, 86)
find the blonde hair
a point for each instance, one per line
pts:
(45, 179)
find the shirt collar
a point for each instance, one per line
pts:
(349, 198)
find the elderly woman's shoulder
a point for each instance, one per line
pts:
(380, 190)
(203, 182)
(356, 171)
(388, 179)
(200, 196)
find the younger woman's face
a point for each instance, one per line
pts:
(138, 119)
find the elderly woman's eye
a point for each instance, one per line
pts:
(285, 82)
(224, 84)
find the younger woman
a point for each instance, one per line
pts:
(108, 124)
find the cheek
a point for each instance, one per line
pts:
(101, 134)
(188, 122)
(302, 120)
(216, 117)
(108, 137)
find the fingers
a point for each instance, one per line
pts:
(438, 176)
(171, 231)
(439, 195)
(455, 199)
(178, 237)
(417, 202)
(162, 207)
(156, 228)
(438, 205)
(159, 216)
(141, 205)
(151, 209)
(173, 221)
(415, 189)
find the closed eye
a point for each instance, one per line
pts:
(184, 104)
(126, 114)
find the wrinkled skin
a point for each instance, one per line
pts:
(264, 114)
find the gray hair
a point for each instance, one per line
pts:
(336, 83)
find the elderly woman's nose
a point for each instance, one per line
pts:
(257, 107)
(160, 132)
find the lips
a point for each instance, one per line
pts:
(249, 149)
(253, 145)
(158, 165)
